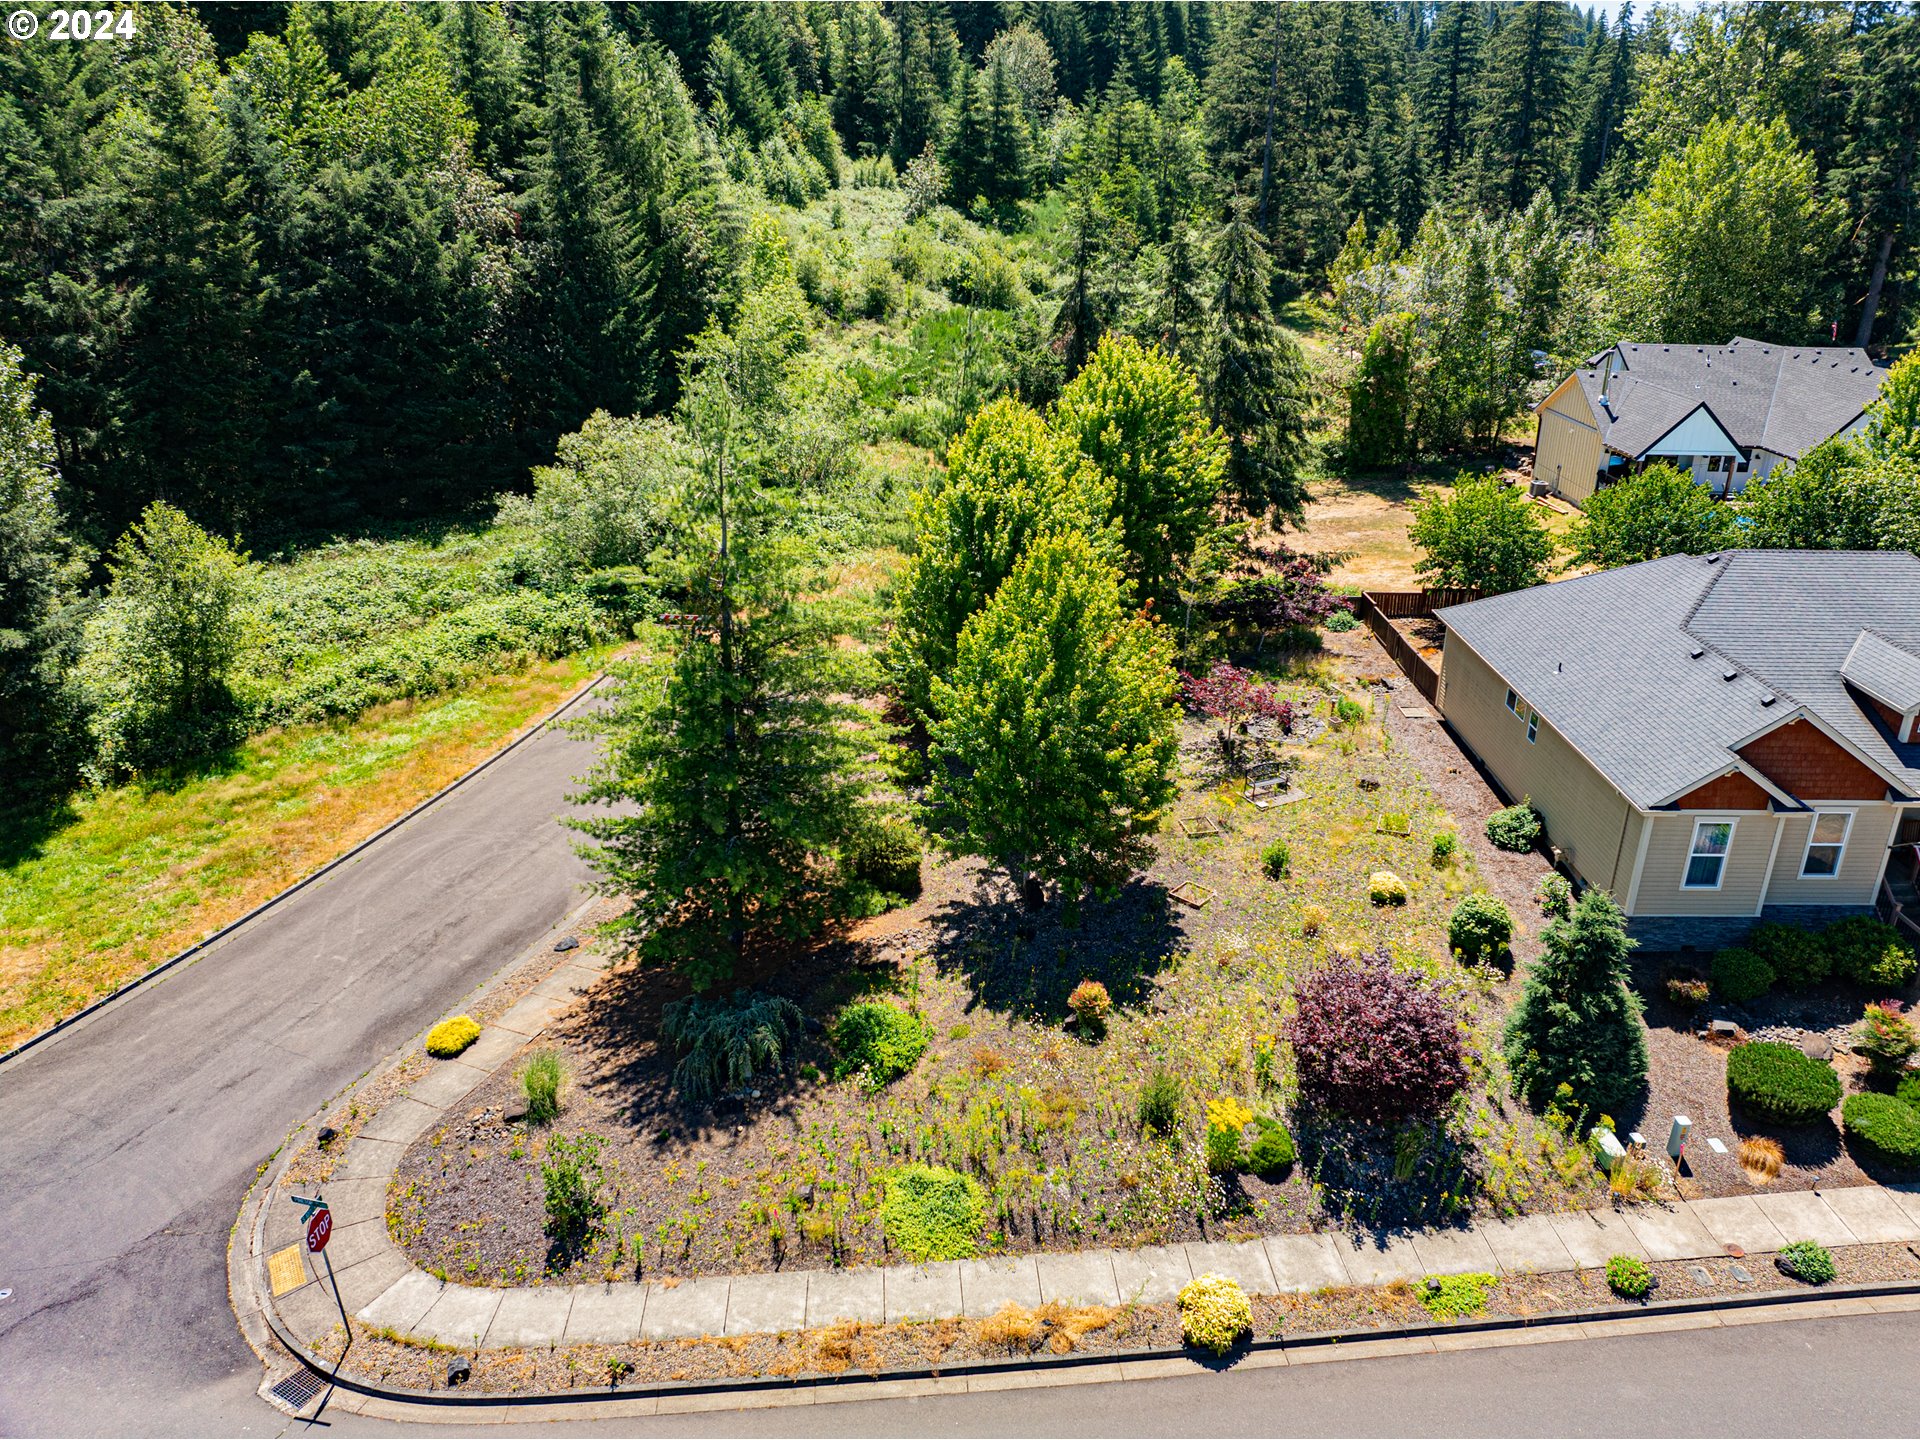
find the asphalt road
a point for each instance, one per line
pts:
(127, 1142)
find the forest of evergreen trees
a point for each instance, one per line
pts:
(303, 270)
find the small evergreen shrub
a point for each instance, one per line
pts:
(1515, 828)
(1446, 845)
(1885, 1035)
(1885, 1127)
(1806, 1260)
(1629, 1277)
(1799, 960)
(1554, 896)
(1274, 860)
(1454, 1297)
(880, 1040)
(1090, 1004)
(1225, 1154)
(1373, 1042)
(1909, 1088)
(540, 1081)
(1214, 1313)
(570, 1175)
(932, 1213)
(1160, 1101)
(1778, 1083)
(1481, 928)
(1687, 991)
(1739, 975)
(451, 1036)
(1386, 888)
(1870, 952)
(727, 1042)
(1341, 621)
(1348, 712)
(1272, 1154)
(1578, 1031)
(886, 856)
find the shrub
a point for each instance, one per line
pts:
(1313, 919)
(1160, 1101)
(1554, 896)
(1348, 712)
(879, 1039)
(1225, 1154)
(1629, 1276)
(1799, 960)
(1341, 621)
(570, 1173)
(1373, 1042)
(1909, 1088)
(1886, 1037)
(1454, 1297)
(887, 857)
(451, 1036)
(1739, 975)
(1445, 846)
(1272, 1153)
(1386, 888)
(1870, 952)
(1214, 1313)
(1687, 991)
(1806, 1260)
(1778, 1083)
(1090, 1004)
(1481, 928)
(726, 1043)
(540, 1081)
(1885, 1127)
(1577, 1025)
(931, 1213)
(1515, 828)
(1274, 859)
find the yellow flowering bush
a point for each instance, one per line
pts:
(1214, 1313)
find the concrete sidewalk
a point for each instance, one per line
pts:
(382, 1288)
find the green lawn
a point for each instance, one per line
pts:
(124, 878)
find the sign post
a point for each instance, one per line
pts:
(319, 1232)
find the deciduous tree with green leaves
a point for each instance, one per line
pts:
(1054, 748)
(1010, 480)
(1136, 413)
(1482, 535)
(1728, 238)
(1660, 511)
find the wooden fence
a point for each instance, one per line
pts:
(1380, 608)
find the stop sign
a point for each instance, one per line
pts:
(319, 1231)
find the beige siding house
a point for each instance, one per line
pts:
(1710, 739)
(1726, 413)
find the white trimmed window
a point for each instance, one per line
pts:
(1523, 711)
(1707, 860)
(1826, 844)
(1513, 702)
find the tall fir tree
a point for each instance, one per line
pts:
(1523, 106)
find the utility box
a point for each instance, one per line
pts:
(1608, 1152)
(1677, 1137)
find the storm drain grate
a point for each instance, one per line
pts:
(298, 1388)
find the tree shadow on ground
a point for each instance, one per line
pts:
(25, 831)
(1812, 1147)
(1027, 962)
(1383, 1179)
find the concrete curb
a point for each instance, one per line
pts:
(208, 942)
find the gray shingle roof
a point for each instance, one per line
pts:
(1656, 672)
(1887, 672)
(1783, 398)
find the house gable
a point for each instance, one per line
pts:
(1700, 433)
(1807, 763)
(1732, 791)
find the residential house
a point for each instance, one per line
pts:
(1712, 739)
(1729, 413)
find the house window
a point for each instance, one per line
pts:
(1707, 861)
(1826, 844)
(1513, 702)
(1715, 463)
(1533, 727)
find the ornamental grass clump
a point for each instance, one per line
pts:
(1806, 1260)
(1629, 1277)
(452, 1036)
(1160, 1101)
(1776, 1082)
(932, 1213)
(540, 1082)
(1214, 1313)
(1480, 929)
(1374, 1043)
(1883, 1128)
(878, 1040)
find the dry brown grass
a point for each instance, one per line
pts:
(1058, 1326)
(1761, 1158)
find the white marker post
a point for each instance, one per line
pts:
(1677, 1140)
